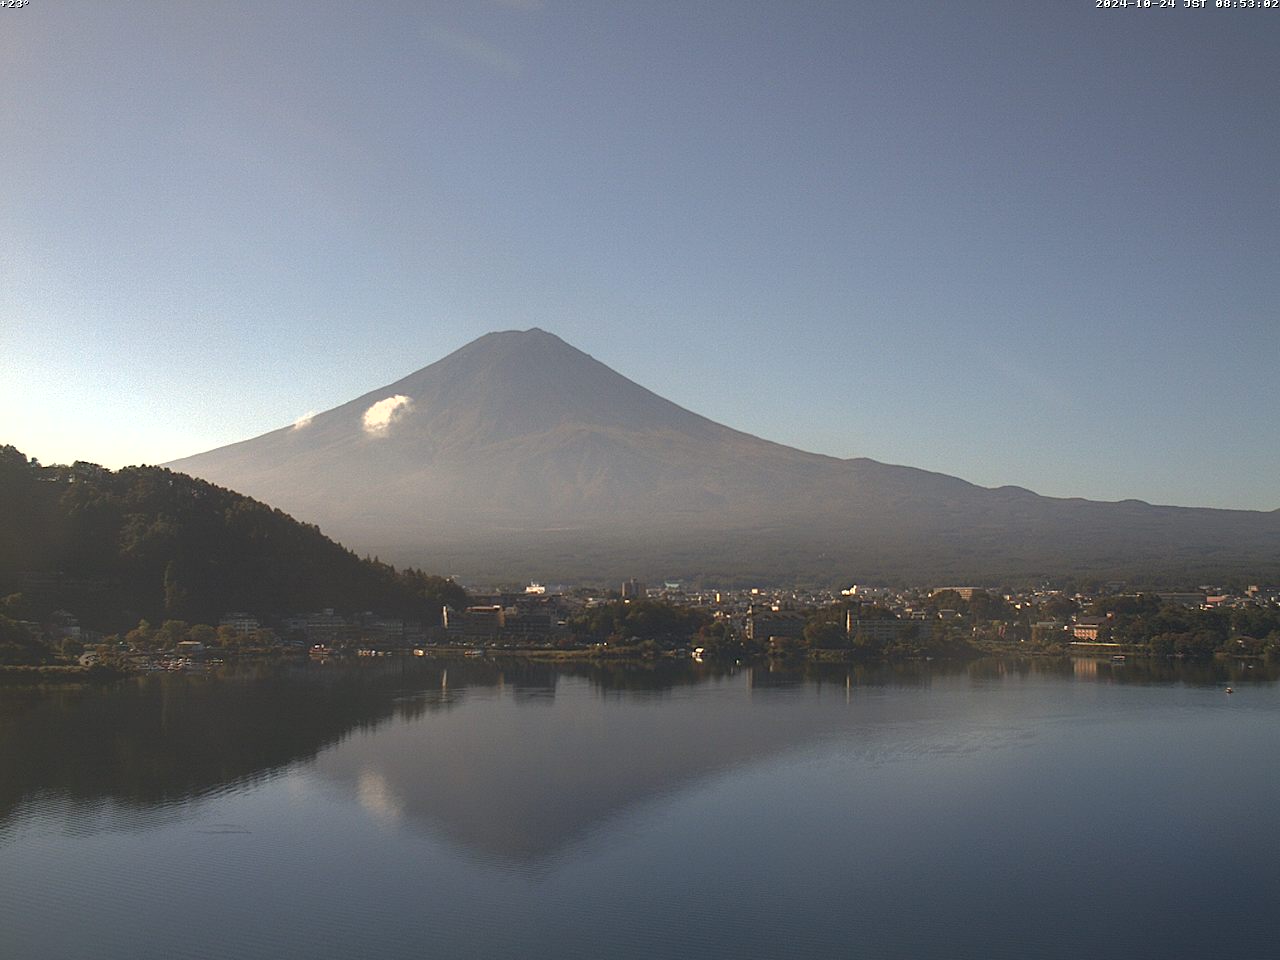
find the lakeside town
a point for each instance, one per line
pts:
(671, 619)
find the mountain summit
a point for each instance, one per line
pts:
(520, 455)
(518, 383)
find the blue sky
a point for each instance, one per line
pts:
(1029, 243)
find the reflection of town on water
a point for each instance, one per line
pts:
(510, 756)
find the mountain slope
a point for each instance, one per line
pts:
(519, 455)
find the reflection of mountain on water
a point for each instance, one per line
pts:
(519, 785)
(163, 739)
(511, 760)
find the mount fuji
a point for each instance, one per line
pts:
(520, 456)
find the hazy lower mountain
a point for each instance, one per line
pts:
(520, 456)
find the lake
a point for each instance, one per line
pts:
(421, 808)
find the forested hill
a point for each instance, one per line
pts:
(145, 542)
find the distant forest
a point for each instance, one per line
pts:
(114, 547)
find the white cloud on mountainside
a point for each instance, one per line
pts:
(381, 415)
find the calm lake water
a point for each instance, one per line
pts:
(477, 809)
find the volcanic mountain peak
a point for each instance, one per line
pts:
(520, 455)
(515, 383)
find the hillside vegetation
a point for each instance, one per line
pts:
(146, 542)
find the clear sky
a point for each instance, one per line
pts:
(1019, 242)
